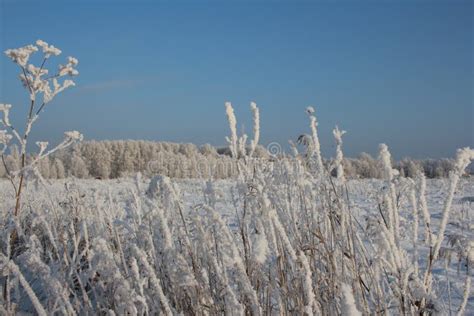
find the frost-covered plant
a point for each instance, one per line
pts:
(339, 155)
(463, 159)
(233, 139)
(316, 147)
(42, 88)
(391, 196)
(238, 145)
(256, 127)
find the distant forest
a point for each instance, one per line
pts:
(115, 159)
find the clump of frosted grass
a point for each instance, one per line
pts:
(295, 248)
(294, 245)
(238, 145)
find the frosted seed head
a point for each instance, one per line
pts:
(4, 137)
(48, 50)
(73, 135)
(73, 61)
(21, 55)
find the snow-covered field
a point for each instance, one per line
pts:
(125, 251)
(117, 193)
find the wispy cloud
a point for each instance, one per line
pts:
(110, 85)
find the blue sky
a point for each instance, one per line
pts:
(399, 72)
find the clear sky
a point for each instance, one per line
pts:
(399, 72)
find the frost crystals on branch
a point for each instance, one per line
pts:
(36, 80)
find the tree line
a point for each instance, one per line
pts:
(115, 159)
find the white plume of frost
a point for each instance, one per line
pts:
(229, 110)
(339, 154)
(315, 138)
(256, 127)
(389, 174)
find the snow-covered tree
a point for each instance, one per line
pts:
(78, 167)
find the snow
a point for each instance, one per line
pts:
(363, 197)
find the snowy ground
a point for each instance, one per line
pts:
(363, 196)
